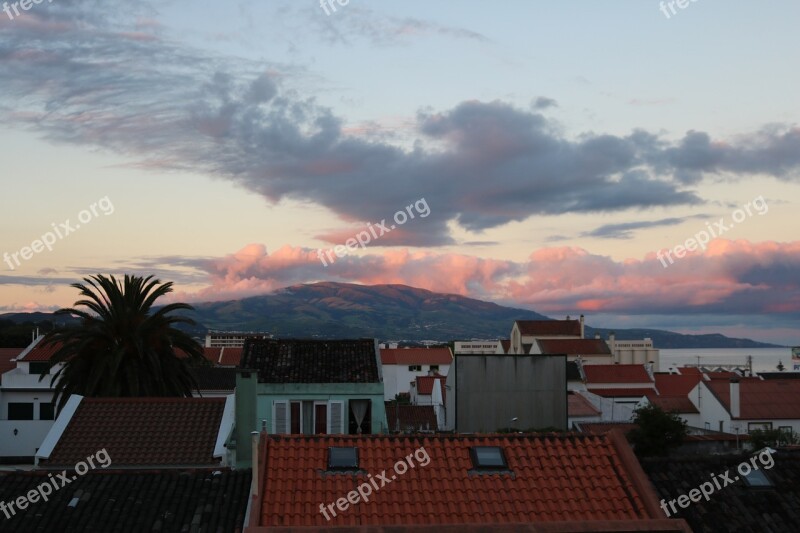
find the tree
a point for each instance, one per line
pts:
(761, 438)
(656, 431)
(121, 348)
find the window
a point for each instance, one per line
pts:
(757, 478)
(296, 419)
(414, 368)
(38, 367)
(342, 458)
(46, 411)
(488, 457)
(435, 368)
(20, 411)
(308, 417)
(751, 426)
(786, 429)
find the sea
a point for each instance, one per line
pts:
(764, 359)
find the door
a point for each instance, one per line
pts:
(320, 418)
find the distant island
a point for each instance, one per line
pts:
(387, 312)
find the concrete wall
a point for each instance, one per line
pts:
(493, 389)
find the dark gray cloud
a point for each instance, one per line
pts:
(625, 230)
(543, 102)
(84, 76)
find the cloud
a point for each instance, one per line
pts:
(731, 278)
(625, 230)
(543, 102)
(167, 106)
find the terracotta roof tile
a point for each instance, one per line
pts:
(676, 384)
(574, 346)
(552, 478)
(42, 352)
(564, 328)
(410, 417)
(214, 378)
(425, 384)
(416, 356)
(678, 404)
(577, 405)
(142, 431)
(6, 356)
(616, 374)
(767, 399)
(231, 356)
(312, 361)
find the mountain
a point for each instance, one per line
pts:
(392, 312)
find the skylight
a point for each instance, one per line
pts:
(488, 457)
(757, 478)
(342, 458)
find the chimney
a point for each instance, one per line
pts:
(597, 336)
(582, 325)
(255, 439)
(735, 400)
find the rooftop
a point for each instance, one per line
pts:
(214, 378)
(574, 346)
(737, 507)
(549, 328)
(6, 356)
(167, 500)
(416, 356)
(578, 406)
(616, 374)
(425, 384)
(163, 432)
(768, 399)
(312, 361)
(605, 482)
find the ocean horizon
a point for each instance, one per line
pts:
(764, 359)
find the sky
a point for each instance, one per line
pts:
(631, 160)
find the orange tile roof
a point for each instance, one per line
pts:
(416, 356)
(6, 356)
(231, 356)
(616, 374)
(553, 479)
(42, 352)
(142, 432)
(574, 346)
(577, 405)
(425, 384)
(772, 399)
(676, 384)
(549, 327)
(678, 404)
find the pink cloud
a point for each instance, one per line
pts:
(731, 277)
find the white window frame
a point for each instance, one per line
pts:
(287, 417)
(341, 420)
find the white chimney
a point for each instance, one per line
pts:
(582, 327)
(735, 400)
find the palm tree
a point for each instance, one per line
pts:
(121, 348)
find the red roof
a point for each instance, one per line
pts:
(231, 356)
(568, 480)
(42, 352)
(678, 404)
(772, 399)
(142, 431)
(677, 384)
(577, 405)
(616, 374)
(549, 328)
(574, 346)
(416, 356)
(425, 384)
(413, 417)
(6, 356)
(629, 392)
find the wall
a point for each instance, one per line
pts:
(493, 389)
(398, 378)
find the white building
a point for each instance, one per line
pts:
(231, 339)
(401, 367)
(26, 409)
(630, 352)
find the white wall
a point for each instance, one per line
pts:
(29, 437)
(398, 378)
